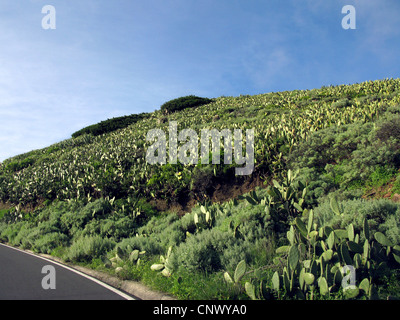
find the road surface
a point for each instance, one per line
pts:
(24, 276)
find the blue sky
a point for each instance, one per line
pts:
(118, 57)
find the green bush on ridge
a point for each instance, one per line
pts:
(110, 125)
(182, 103)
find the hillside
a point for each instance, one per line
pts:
(322, 158)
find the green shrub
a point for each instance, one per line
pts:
(394, 109)
(37, 232)
(99, 207)
(391, 227)
(158, 224)
(23, 237)
(4, 212)
(203, 251)
(330, 145)
(76, 215)
(72, 222)
(250, 221)
(348, 157)
(257, 253)
(56, 209)
(389, 129)
(383, 216)
(396, 185)
(9, 231)
(238, 251)
(202, 179)
(46, 243)
(342, 103)
(170, 181)
(85, 249)
(110, 125)
(381, 176)
(184, 103)
(159, 233)
(117, 229)
(151, 245)
(19, 165)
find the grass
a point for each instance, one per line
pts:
(396, 185)
(381, 176)
(382, 182)
(3, 212)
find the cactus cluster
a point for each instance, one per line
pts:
(316, 261)
(239, 273)
(121, 256)
(205, 219)
(285, 200)
(163, 264)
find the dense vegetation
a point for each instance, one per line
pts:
(184, 103)
(110, 125)
(329, 159)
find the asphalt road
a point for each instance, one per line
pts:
(24, 276)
